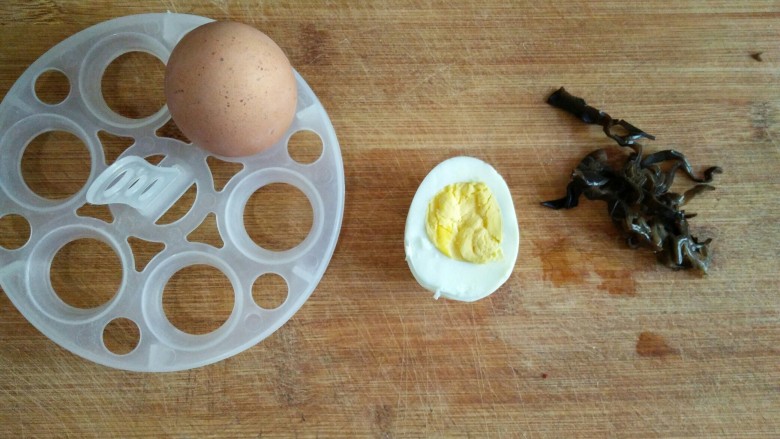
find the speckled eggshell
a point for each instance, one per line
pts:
(230, 89)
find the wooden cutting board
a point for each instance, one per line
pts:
(587, 338)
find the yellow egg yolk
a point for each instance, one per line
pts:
(464, 222)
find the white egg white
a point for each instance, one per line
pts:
(450, 278)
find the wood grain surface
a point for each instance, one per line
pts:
(587, 338)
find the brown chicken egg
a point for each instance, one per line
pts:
(230, 89)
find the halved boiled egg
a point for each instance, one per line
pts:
(461, 236)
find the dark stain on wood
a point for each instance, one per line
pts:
(651, 344)
(617, 282)
(563, 266)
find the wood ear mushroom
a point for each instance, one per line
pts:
(637, 196)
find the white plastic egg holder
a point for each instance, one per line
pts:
(24, 272)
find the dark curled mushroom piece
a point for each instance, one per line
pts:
(637, 196)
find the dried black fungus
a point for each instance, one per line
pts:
(637, 196)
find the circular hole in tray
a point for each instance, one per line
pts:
(56, 164)
(132, 85)
(121, 336)
(86, 273)
(278, 216)
(14, 231)
(198, 299)
(52, 87)
(305, 146)
(270, 291)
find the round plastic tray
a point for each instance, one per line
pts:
(25, 272)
